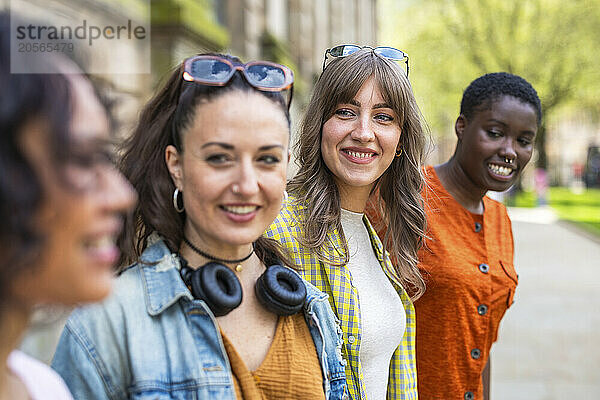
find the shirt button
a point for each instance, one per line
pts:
(351, 339)
(484, 268)
(475, 354)
(477, 227)
(469, 396)
(482, 309)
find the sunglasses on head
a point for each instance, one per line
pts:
(218, 71)
(386, 52)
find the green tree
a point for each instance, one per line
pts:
(551, 43)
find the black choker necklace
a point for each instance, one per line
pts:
(238, 268)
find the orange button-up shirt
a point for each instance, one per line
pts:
(467, 263)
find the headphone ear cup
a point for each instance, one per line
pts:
(280, 290)
(218, 286)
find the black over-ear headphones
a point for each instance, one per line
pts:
(279, 289)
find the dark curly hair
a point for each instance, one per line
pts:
(24, 98)
(486, 89)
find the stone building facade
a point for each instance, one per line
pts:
(293, 32)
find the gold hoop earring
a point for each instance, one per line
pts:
(399, 152)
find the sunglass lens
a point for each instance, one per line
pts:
(268, 76)
(344, 50)
(211, 70)
(390, 52)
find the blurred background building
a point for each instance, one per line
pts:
(292, 32)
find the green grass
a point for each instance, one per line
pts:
(523, 199)
(581, 209)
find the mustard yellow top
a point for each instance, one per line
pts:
(291, 369)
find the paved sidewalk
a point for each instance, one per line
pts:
(549, 340)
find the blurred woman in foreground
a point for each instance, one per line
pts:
(61, 206)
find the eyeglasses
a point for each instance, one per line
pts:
(386, 52)
(217, 71)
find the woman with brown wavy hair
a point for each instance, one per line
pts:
(207, 310)
(362, 131)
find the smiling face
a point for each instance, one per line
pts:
(232, 171)
(359, 141)
(497, 143)
(81, 213)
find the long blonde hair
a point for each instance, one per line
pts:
(399, 186)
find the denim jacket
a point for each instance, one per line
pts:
(152, 340)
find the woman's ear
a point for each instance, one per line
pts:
(459, 126)
(289, 156)
(174, 165)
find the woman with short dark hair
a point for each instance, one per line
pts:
(467, 258)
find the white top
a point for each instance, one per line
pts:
(41, 381)
(382, 317)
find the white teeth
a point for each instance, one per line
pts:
(360, 155)
(240, 209)
(500, 170)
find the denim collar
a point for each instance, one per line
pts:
(159, 269)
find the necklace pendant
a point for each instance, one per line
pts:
(238, 268)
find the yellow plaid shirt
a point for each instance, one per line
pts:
(337, 282)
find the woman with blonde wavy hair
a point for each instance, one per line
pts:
(362, 132)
